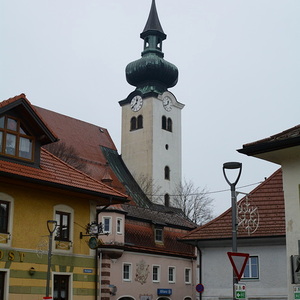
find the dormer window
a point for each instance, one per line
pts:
(15, 141)
(158, 233)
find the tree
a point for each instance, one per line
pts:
(67, 154)
(194, 202)
(150, 188)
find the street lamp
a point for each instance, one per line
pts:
(233, 166)
(51, 225)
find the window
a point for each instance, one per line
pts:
(251, 269)
(158, 234)
(133, 123)
(171, 275)
(156, 273)
(127, 272)
(6, 219)
(146, 44)
(187, 276)
(158, 44)
(140, 122)
(4, 215)
(61, 287)
(169, 124)
(166, 123)
(106, 221)
(14, 139)
(63, 226)
(167, 200)
(167, 173)
(119, 226)
(136, 123)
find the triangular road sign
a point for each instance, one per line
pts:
(238, 261)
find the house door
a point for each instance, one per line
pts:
(61, 287)
(2, 282)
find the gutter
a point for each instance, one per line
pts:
(269, 146)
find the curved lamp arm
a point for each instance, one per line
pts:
(51, 225)
(232, 166)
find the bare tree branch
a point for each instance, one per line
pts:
(150, 188)
(66, 153)
(195, 203)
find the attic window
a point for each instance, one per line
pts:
(15, 141)
(158, 232)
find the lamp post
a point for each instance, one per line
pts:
(233, 166)
(51, 225)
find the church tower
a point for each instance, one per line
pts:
(151, 117)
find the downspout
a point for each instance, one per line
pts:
(200, 266)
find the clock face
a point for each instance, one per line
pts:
(136, 103)
(167, 103)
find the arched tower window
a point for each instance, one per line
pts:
(167, 200)
(167, 173)
(136, 123)
(164, 122)
(146, 44)
(133, 123)
(139, 122)
(158, 44)
(169, 125)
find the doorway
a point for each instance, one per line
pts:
(2, 285)
(61, 287)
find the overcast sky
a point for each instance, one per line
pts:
(238, 62)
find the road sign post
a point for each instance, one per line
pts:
(240, 291)
(239, 262)
(296, 292)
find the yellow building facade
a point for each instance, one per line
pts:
(37, 190)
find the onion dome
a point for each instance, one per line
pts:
(151, 72)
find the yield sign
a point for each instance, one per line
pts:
(238, 261)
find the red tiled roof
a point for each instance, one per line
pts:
(13, 99)
(141, 237)
(54, 171)
(267, 198)
(87, 140)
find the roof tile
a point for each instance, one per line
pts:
(53, 170)
(268, 198)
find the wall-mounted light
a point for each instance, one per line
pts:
(31, 271)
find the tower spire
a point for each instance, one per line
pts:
(152, 73)
(153, 23)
